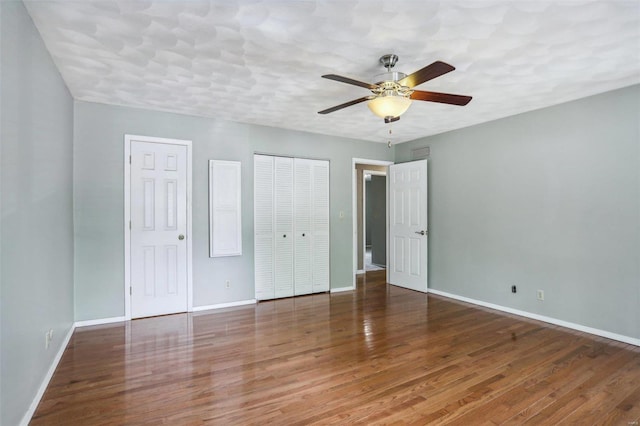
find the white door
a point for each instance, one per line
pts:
(158, 229)
(408, 225)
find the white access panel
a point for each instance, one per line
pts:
(225, 208)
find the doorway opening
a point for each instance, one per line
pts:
(379, 223)
(374, 220)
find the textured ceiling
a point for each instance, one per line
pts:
(261, 61)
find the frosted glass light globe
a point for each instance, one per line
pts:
(389, 106)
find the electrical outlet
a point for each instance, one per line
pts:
(540, 295)
(227, 284)
(513, 289)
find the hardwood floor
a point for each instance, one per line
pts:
(378, 355)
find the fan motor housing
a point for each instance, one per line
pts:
(388, 76)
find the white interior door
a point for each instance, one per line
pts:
(408, 225)
(158, 229)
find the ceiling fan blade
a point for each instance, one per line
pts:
(349, 81)
(427, 73)
(346, 104)
(444, 98)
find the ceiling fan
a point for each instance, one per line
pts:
(392, 93)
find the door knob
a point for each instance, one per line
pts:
(181, 237)
(422, 232)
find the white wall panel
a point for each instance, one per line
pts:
(225, 208)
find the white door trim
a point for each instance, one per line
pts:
(354, 209)
(127, 217)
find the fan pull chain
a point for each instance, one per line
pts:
(389, 141)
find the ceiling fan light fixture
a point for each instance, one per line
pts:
(393, 91)
(389, 106)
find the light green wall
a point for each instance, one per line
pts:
(37, 211)
(545, 200)
(99, 186)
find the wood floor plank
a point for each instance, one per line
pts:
(378, 355)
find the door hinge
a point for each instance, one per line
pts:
(130, 291)
(129, 159)
(129, 224)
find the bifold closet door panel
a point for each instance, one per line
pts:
(303, 264)
(302, 226)
(320, 226)
(283, 219)
(263, 259)
(291, 210)
(263, 226)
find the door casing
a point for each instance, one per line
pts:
(127, 217)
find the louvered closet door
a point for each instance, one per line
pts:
(263, 226)
(303, 236)
(284, 238)
(320, 225)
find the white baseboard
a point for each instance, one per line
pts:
(341, 289)
(47, 378)
(100, 321)
(224, 305)
(571, 325)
